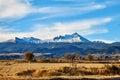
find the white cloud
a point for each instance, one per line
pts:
(4, 29)
(14, 8)
(69, 9)
(7, 36)
(104, 40)
(84, 27)
(66, 11)
(21, 8)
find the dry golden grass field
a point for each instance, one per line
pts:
(9, 70)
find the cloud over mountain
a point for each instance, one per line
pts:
(84, 27)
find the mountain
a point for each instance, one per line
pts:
(75, 37)
(27, 40)
(58, 45)
(60, 48)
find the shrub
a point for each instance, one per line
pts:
(29, 56)
(89, 57)
(40, 72)
(49, 72)
(73, 71)
(112, 69)
(24, 73)
(93, 71)
(54, 73)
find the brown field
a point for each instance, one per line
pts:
(8, 70)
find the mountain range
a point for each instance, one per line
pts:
(75, 37)
(58, 46)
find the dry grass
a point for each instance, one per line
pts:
(72, 71)
(11, 67)
(33, 70)
(77, 71)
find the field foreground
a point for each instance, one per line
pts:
(11, 70)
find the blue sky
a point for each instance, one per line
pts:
(45, 19)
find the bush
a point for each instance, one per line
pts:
(112, 69)
(24, 73)
(73, 71)
(93, 71)
(40, 72)
(29, 56)
(89, 57)
(49, 72)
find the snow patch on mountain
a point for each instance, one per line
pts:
(75, 37)
(27, 40)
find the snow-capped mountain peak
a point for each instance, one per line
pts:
(75, 34)
(75, 37)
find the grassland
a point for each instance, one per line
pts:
(9, 69)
